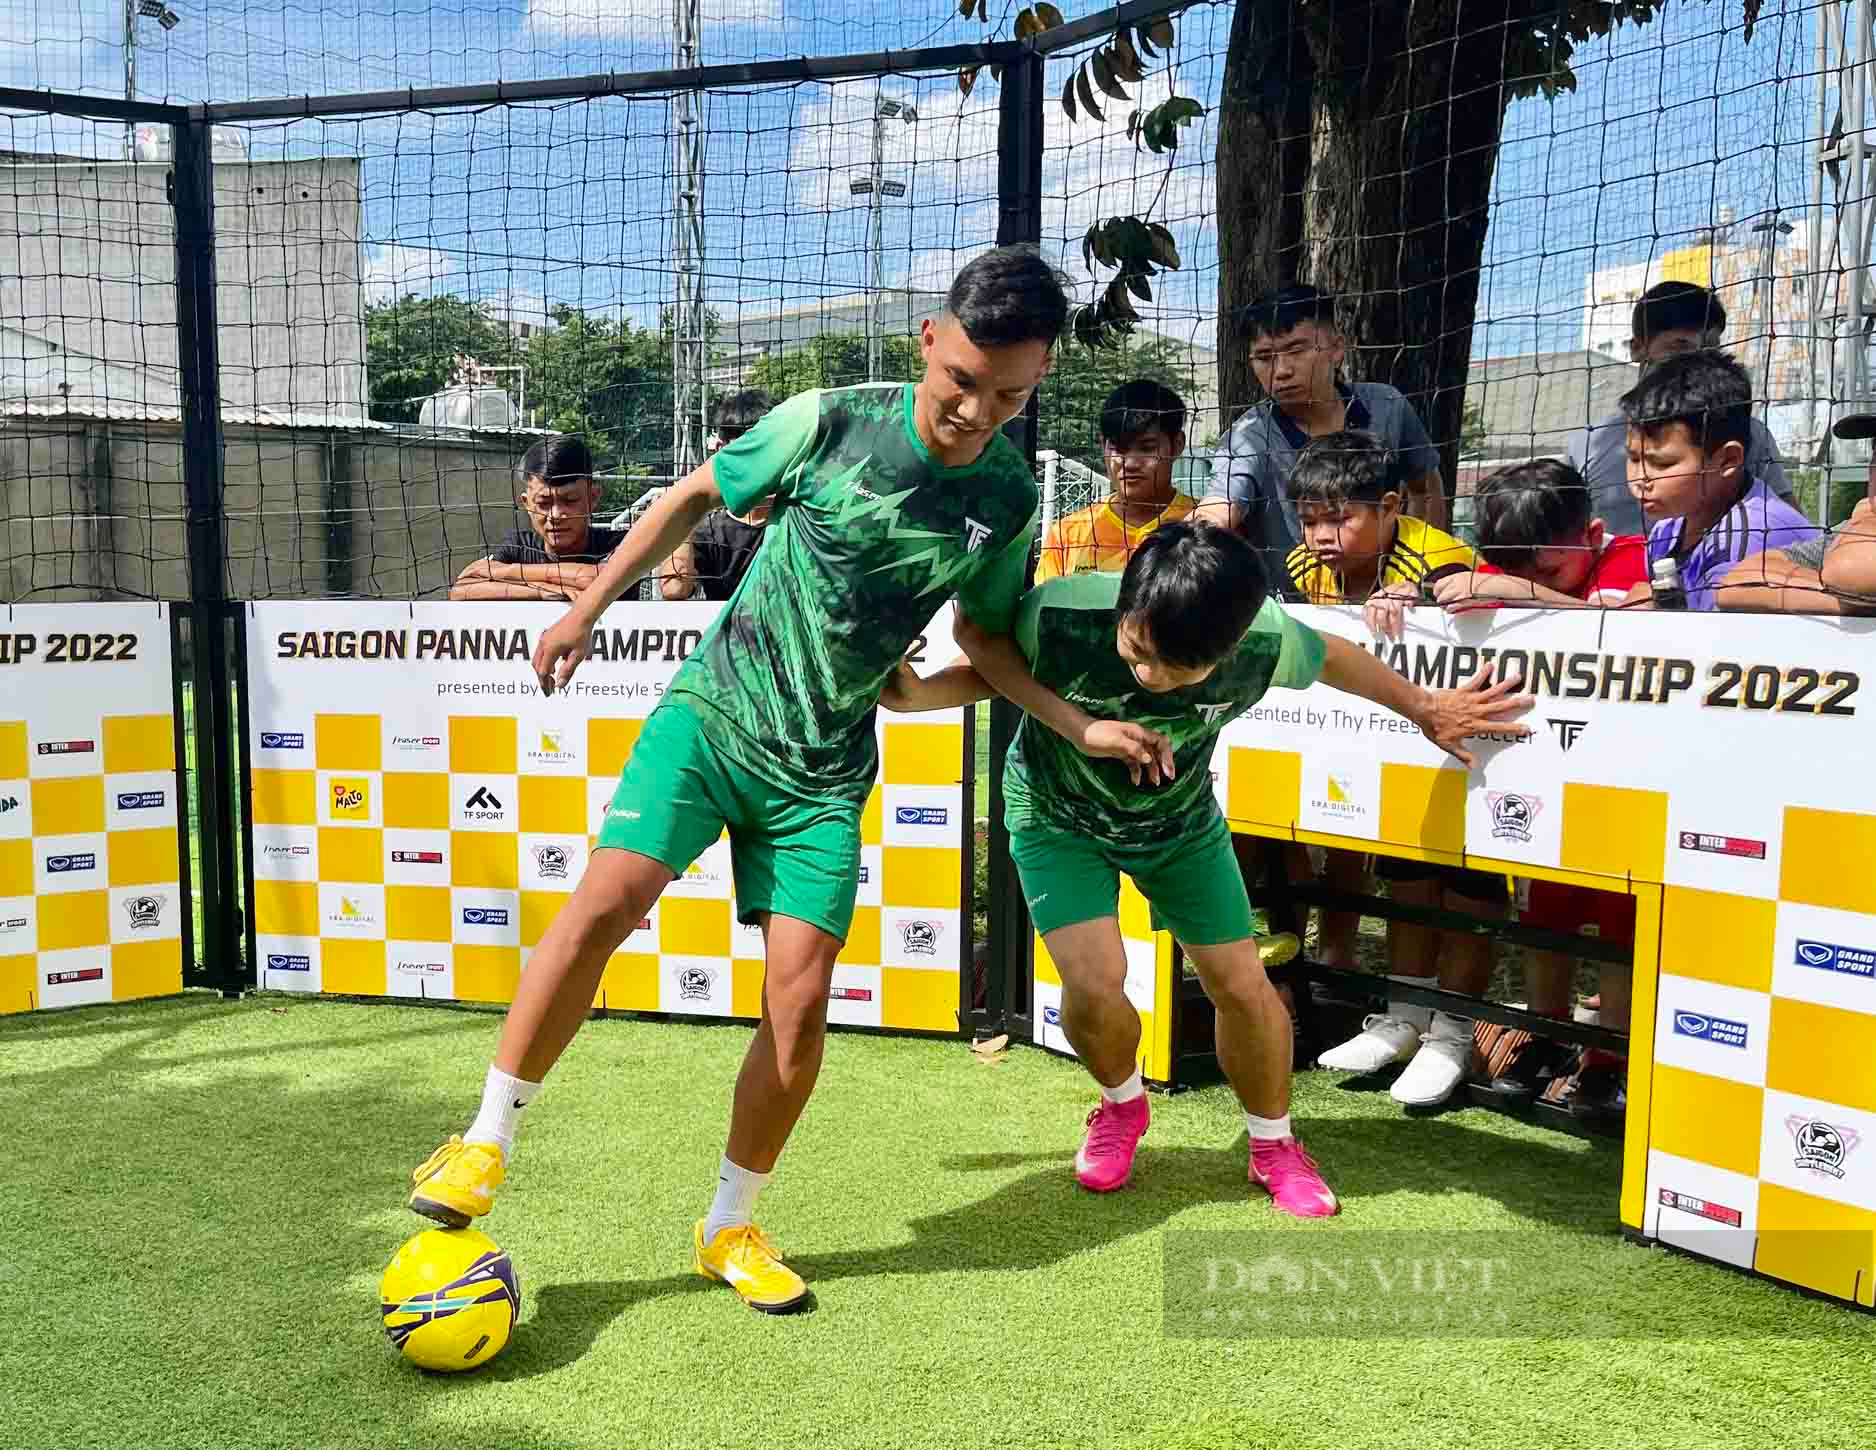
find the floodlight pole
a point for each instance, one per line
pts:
(130, 75)
(688, 343)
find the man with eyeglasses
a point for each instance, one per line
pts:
(558, 555)
(712, 561)
(1296, 354)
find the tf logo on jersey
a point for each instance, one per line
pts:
(974, 535)
(1214, 713)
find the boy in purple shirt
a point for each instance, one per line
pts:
(1689, 421)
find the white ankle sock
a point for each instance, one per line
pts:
(735, 1201)
(1127, 1091)
(1421, 1017)
(503, 1098)
(1267, 1129)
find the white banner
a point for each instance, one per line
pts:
(91, 906)
(421, 811)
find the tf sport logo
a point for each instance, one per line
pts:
(1702, 1028)
(483, 805)
(921, 815)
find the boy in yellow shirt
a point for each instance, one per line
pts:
(1143, 430)
(1360, 548)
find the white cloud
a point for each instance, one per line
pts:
(392, 270)
(640, 19)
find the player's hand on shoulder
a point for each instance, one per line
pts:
(563, 648)
(1147, 754)
(1479, 707)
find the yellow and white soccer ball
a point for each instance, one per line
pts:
(450, 1298)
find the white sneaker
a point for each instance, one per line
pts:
(1384, 1040)
(1439, 1066)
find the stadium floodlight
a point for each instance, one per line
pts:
(892, 188)
(862, 187)
(875, 187)
(159, 12)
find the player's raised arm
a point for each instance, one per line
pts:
(952, 688)
(1146, 753)
(1446, 717)
(653, 539)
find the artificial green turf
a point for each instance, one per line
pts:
(201, 1197)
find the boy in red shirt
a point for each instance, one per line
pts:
(1543, 547)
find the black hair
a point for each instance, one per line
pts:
(1276, 313)
(1136, 406)
(1352, 466)
(1677, 306)
(1193, 589)
(1527, 507)
(1706, 390)
(557, 461)
(1009, 295)
(739, 412)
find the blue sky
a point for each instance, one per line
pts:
(1669, 123)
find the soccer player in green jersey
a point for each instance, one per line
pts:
(887, 501)
(1182, 642)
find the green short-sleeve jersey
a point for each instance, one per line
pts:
(1065, 629)
(869, 536)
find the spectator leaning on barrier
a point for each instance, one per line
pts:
(1296, 353)
(1143, 431)
(1689, 420)
(1542, 546)
(712, 562)
(1672, 318)
(1832, 573)
(1358, 548)
(558, 555)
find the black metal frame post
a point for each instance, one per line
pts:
(192, 193)
(1019, 219)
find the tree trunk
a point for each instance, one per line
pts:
(1262, 168)
(1385, 131)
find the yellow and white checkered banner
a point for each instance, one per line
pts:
(1721, 768)
(421, 811)
(91, 906)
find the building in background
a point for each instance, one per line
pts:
(1762, 271)
(88, 296)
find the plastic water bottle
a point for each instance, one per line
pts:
(1669, 592)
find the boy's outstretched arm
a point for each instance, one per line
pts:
(1446, 717)
(952, 688)
(652, 540)
(1001, 664)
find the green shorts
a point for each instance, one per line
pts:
(793, 851)
(1192, 879)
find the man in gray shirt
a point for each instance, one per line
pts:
(1671, 318)
(1296, 351)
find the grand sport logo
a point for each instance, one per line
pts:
(1828, 956)
(921, 815)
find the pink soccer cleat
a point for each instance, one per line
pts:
(1105, 1161)
(1290, 1176)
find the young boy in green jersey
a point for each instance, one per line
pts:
(1183, 642)
(888, 500)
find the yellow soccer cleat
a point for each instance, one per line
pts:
(743, 1258)
(457, 1182)
(1276, 950)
